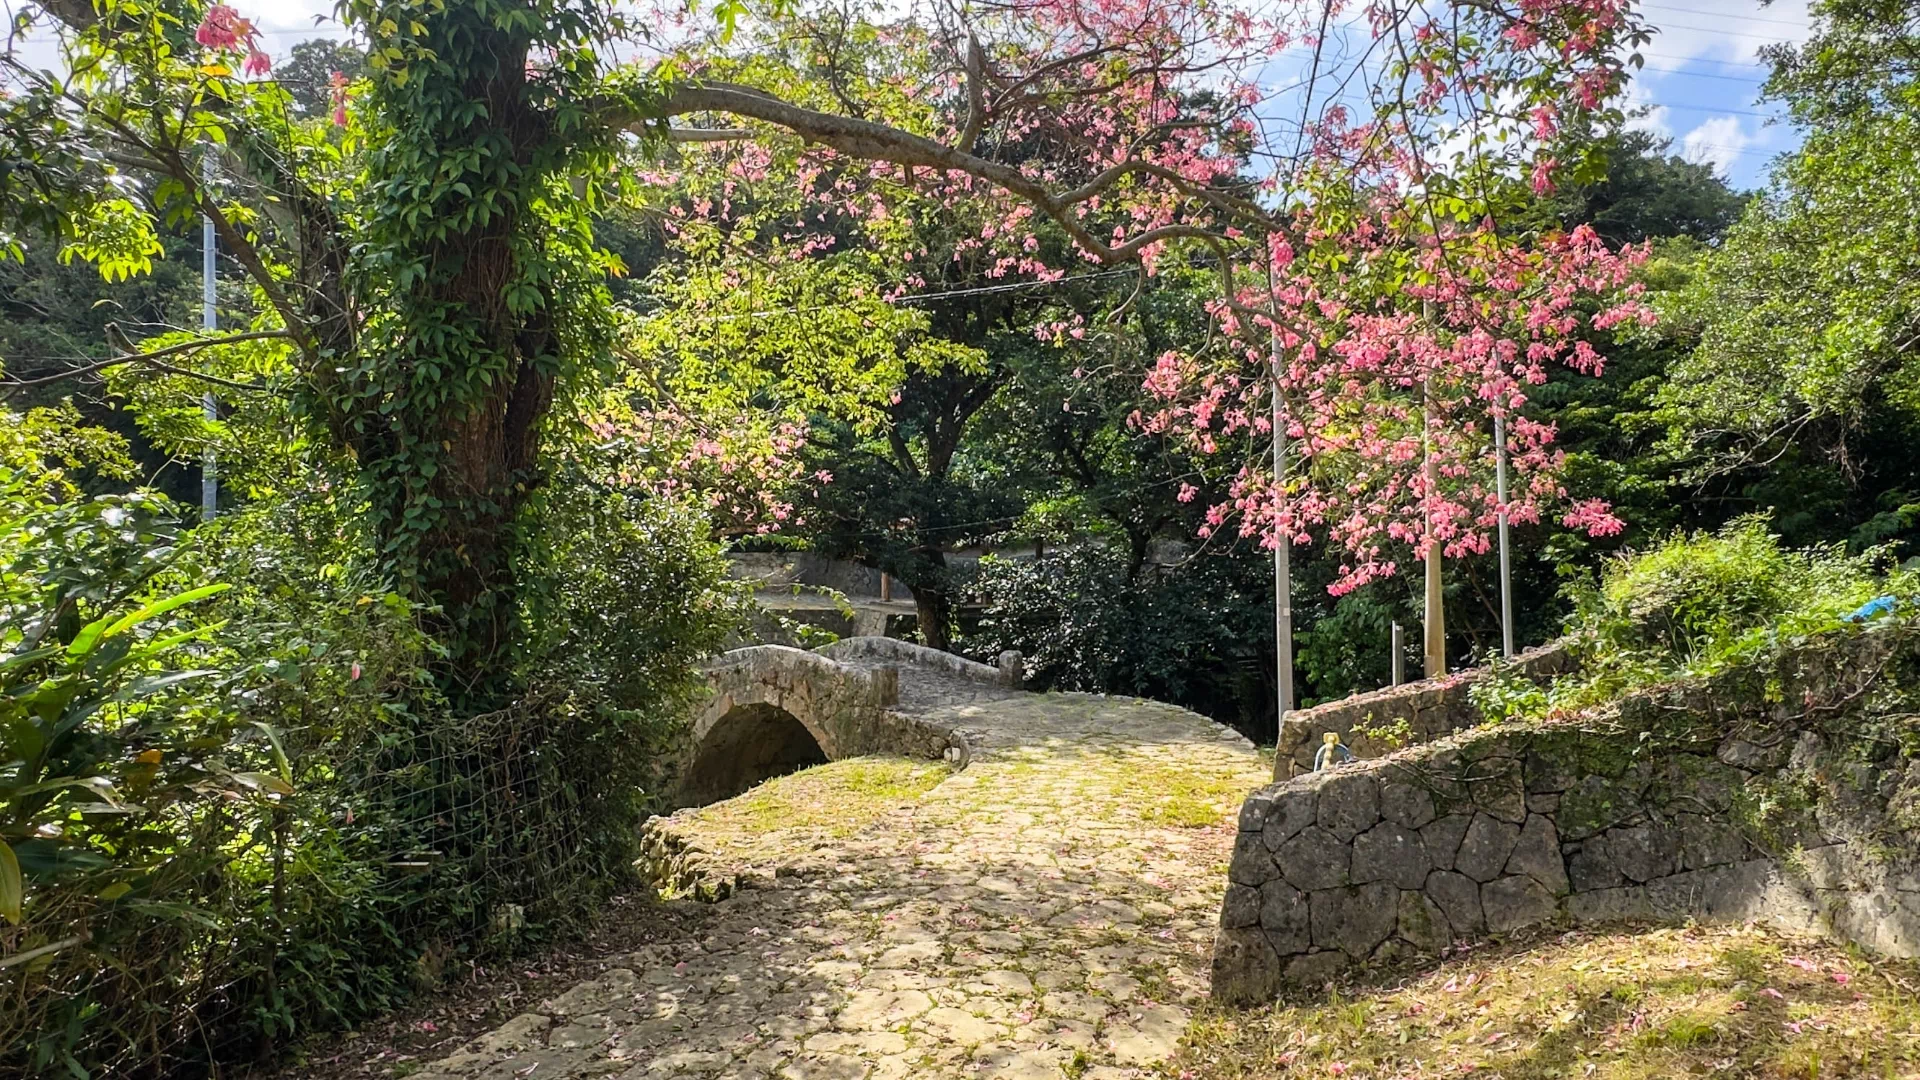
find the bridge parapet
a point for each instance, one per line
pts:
(774, 708)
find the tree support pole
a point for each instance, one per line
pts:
(1435, 615)
(1282, 568)
(1506, 567)
(209, 320)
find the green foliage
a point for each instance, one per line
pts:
(1698, 600)
(236, 795)
(1649, 193)
(1808, 316)
(1200, 635)
(1695, 605)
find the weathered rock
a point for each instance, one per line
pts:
(1354, 919)
(1315, 969)
(1484, 850)
(1252, 864)
(1284, 917)
(1315, 859)
(1642, 853)
(1537, 855)
(1253, 812)
(1422, 924)
(1441, 839)
(1705, 842)
(1407, 805)
(1293, 808)
(1610, 905)
(1514, 903)
(1590, 866)
(1459, 898)
(1349, 803)
(1390, 852)
(1502, 795)
(1241, 907)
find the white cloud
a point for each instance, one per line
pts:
(1725, 30)
(1719, 141)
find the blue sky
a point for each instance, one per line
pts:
(1703, 81)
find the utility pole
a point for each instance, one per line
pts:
(209, 408)
(1506, 568)
(1282, 562)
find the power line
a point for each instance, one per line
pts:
(1722, 15)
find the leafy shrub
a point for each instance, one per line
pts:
(1695, 605)
(241, 808)
(1698, 599)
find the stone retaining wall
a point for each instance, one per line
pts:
(1430, 709)
(1781, 792)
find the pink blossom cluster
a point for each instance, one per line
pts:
(223, 30)
(1389, 396)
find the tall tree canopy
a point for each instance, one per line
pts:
(431, 289)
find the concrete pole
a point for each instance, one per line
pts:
(1435, 612)
(1399, 656)
(1506, 567)
(1435, 615)
(1282, 567)
(209, 408)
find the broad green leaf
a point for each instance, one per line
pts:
(161, 607)
(13, 890)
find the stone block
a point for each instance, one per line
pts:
(1349, 803)
(1355, 919)
(1642, 852)
(1388, 852)
(1315, 859)
(1407, 805)
(1484, 850)
(1590, 867)
(1316, 969)
(1422, 924)
(1253, 812)
(1245, 969)
(1284, 917)
(1252, 864)
(1293, 808)
(1705, 842)
(1537, 855)
(1610, 905)
(1241, 908)
(1459, 898)
(1719, 893)
(1515, 903)
(1441, 839)
(1503, 795)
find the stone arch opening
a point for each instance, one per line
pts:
(749, 745)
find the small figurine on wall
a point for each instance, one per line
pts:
(1332, 752)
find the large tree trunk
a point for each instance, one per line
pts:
(935, 608)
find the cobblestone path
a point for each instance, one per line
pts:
(1048, 912)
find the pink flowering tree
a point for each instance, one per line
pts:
(1370, 295)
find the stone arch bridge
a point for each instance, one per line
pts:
(772, 709)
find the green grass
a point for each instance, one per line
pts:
(1177, 797)
(1651, 1005)
(836, 798)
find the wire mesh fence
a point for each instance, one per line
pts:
(393, 857)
